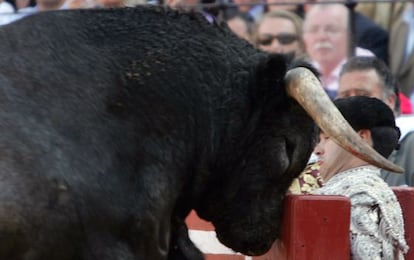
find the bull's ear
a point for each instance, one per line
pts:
(270, 78)
(303, 63)
(271, 71)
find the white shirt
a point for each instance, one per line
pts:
(331, 82)
(405, 123)
(6, 13)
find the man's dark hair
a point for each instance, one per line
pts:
(363, 63)
(371, 113)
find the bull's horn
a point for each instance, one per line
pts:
(305, 88)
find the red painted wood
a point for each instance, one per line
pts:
(316, 227)
(224, 257)
(405, 196)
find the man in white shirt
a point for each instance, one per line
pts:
(326, 37)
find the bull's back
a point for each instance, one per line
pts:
(104, 67)
(100, 111)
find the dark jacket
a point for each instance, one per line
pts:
(404, 158)
(371, 36)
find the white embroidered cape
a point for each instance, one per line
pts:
(377, 226)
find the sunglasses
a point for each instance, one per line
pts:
(282, 38)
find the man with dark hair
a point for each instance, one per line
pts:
(369, 76)
(377, 227)
(383, 86)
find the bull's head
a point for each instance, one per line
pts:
(245, 201)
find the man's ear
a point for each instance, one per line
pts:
(392, 101)
(366, 135)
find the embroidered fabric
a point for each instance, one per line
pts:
(307, 181)
(377, 226)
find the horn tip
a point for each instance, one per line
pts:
(396, 169)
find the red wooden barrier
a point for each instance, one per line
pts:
(405, 196)
(314, 227)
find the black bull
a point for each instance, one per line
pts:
(115, 123)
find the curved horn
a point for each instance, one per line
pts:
(306, 89)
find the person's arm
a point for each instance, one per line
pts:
(364, 231)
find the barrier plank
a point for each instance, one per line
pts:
(405, 196)
(314, 227)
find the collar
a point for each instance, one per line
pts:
(365, 169)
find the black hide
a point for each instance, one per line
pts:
(116, 123)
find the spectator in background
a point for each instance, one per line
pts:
(377, 226)
(295, 6)
(326, 37)
(110, 3)
(253, 9)
(6, 11)
(369, 76)
(182, 4)
(280, 31)
(6, 7)
(192, 6)
(370, 36)
(19, 4)
(80, 4)
(241, 25)
(43, 5)
(382, 13)
(402, 55)
(365, 33)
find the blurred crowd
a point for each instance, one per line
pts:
(327, 33)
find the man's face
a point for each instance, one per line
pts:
(331, 157)
(364, 83)
(271, 28)
(326, 35)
